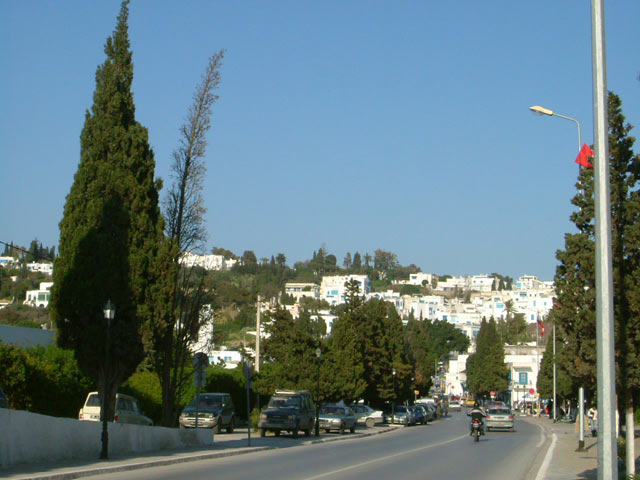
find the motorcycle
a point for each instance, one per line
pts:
(476, 430)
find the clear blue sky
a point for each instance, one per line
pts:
(359, 125)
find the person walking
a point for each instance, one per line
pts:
(592, 415)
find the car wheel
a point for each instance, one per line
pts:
(276, 433)
(218, 428)
(370, 422)
(263, 432)
(231, 425)
(326, 430)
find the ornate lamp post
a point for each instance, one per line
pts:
(318, 354)
(109, 311)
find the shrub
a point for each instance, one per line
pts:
(145, 387)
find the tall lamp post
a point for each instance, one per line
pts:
(109, 311)
(319, 355)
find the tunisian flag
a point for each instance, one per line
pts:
(583, 156)
(541, 327)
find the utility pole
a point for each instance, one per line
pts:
(607, 448)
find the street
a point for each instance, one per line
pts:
(442, 449)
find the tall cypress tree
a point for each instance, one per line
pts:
(486, 370)
(111, 230)
(575, 309)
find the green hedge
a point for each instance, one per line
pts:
(43, 380)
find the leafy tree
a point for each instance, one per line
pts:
(111, 231)
(181, 314)
(513, 329)
(357, 261)
(347, 262)
(486, 370)
(314, 325)
(290, 351)
(384, 261)
(575, 309)
(564, 384)
(345, 357)
(224, 252)
(281, 260)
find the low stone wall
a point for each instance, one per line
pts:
(32, 438)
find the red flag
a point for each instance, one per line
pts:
(541, 327)
(583, 156)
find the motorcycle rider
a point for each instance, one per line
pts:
(476, 413)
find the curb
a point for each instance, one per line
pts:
(86, 472)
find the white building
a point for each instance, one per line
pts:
(300, 290)
(46, 268)
(230, 359)
(523, 362)
(7, 262)
(208, 262)
(332, 289)
(40, 297)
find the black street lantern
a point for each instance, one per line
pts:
(109, 311)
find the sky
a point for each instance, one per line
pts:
(352, 125)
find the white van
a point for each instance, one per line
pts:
(127, 410)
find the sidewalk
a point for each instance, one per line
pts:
(225, 445)
(561, 461)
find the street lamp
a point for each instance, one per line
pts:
(318, 354)
(393, 400)
(545, 111)
(109, 311)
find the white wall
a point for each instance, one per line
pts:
(27, 437)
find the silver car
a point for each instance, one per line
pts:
(336, 417)
(367, 415)
(499, 418)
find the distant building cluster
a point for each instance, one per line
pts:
(208, 262)
(44, 267)
(530, 297)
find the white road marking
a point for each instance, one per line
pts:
(547, 459)
(381, 459)
(542, 437)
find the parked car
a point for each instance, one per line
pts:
(454, 406)
(401, 415)
(336, 417)
(288, 410)
(4, 402)
(127, 410)
(430, 410)
(499, 418)
(367, 415)
(419, 413)
(215, 410)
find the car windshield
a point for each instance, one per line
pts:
(332, 410)
(284, 402)
(206, 401)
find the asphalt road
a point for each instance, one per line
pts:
(442, 449)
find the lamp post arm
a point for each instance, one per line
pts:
(577, 123)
